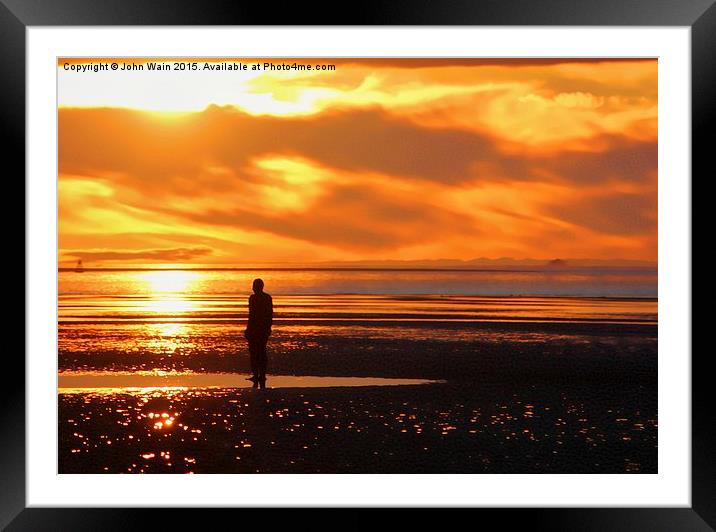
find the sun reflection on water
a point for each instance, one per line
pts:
(169, 290)
(169, 281)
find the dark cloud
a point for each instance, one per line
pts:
(354, 140)
(175, 155)
(174, 254)
(139, 241)
(622, 160)
(617, 214)
(129, 146)
(350, 217)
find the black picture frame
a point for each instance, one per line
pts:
(17, 15)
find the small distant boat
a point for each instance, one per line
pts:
(79, 268)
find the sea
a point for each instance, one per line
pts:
(194, 319)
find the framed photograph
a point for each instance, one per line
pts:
(439, 259)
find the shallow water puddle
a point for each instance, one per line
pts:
(80, 382)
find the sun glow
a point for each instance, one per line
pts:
(169, 290)
(155, 90)
(169, 282)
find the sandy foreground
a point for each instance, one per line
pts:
(427, 428)
(509, 398)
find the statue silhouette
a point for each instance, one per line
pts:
(258, 330)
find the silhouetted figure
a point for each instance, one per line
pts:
(258, 331)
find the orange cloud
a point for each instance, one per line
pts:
(398, 161)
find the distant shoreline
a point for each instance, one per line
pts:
(375, 269)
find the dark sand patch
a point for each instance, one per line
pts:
(435, 428)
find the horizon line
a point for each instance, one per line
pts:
(526, 268)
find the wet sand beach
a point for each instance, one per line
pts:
(597, 413)
(430, 428)
(152, 369)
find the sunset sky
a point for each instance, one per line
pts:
(384, 159)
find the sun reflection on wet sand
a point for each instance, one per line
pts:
(169, 329)
(435, 428)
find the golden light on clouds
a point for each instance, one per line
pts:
(375, 160)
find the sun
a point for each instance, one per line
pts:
(169, 282)
(168, 290)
